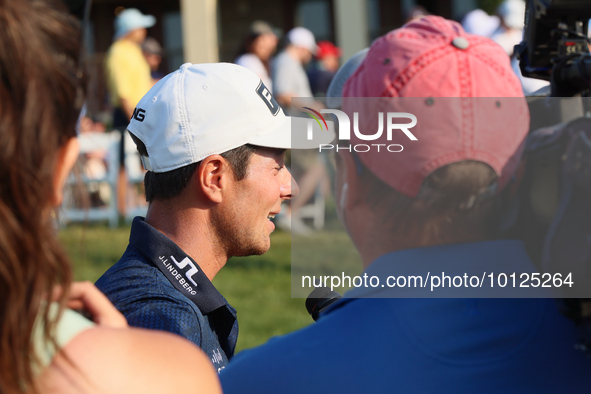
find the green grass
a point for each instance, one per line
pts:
(257, 286)
(93, 249)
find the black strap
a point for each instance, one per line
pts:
(179, 268)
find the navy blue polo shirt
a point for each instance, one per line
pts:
(194, 309)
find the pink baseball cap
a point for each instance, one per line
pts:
(468, 102)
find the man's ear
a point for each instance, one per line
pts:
(352, 177)
(214, 176)
(67, 156)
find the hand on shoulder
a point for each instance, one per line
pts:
(114, 358)
(95, 305)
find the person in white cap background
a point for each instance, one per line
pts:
(128, 79)
(288, 74)
(213, 139)
(290, 80)
(479, 22)
(435, 206)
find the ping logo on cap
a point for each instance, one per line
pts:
(139, 114)
(268, 98)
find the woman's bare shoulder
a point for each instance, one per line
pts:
(108, 360)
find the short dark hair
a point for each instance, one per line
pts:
(457, 197)
(166, 185)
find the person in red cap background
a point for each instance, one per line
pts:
(435, 206)
(326, 66)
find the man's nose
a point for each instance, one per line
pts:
(289, 187)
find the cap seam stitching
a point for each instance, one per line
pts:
(183, 115)
(418, 64)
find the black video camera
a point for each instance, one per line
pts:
(555, 45)
(555, 48)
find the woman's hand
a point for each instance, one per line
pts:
(85, 296)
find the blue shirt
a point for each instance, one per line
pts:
(444, 345)
(148, 299)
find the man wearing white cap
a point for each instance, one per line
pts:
(212, 138)
(289, 77)
(128, 78)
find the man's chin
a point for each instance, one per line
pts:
(254, 250)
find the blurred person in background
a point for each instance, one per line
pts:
(313, 169)
(128, 79)
(509, 34)
(438, 204)
(415, 13)
(289, 76)
(46, 347)
(94, 164)
(291, 81)
(153, 53)
(510, 31)
(256, 50)
(480, 23)
(326, 65)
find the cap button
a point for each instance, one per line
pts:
(186, 65)
(460, 43)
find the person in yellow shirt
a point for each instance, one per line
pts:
(128, 78)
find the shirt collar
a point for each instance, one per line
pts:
(154, 245)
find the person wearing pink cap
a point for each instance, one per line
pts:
(436, 205)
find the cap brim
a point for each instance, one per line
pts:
(145, 22)
(293, 133)
(334, 94)
(148, 21)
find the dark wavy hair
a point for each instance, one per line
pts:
(40, 86)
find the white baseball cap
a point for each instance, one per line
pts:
(130, 19)
(205, 109)
(479, 22)
(302, 37)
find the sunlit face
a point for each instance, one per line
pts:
(244, 222)
(153, 60)
(264, 46)
(137, 35)
(306, 55)
(330, 63)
